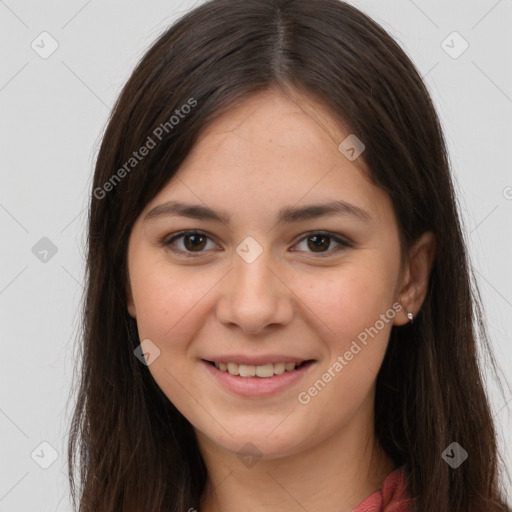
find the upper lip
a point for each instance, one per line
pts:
(255, 360)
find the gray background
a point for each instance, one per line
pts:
(52, 114)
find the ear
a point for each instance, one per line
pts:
(129, 300)
(415, 279)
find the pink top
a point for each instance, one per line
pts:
(391, 497)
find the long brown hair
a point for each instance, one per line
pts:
(135, 450)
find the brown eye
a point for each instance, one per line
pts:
(191, 242)
(194, 241)
(320, 243)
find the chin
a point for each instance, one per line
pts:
(258, 443)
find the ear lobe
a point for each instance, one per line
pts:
(416, 277)
(129, 301)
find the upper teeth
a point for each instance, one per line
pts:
(247, 370)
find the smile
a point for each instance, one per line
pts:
(264, 371)
(258, 380)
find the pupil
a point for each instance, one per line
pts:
(195, 237)
(316, 238)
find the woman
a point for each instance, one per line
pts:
(279, 312)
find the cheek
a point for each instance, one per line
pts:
(170, 310)
(355, 316)
(166, 298)
(350, 299)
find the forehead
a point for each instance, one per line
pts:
(270, 151)
(288, 126)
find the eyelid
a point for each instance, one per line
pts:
(343, 241)
(168, 239)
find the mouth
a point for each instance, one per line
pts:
(261, 379)
(264, 371)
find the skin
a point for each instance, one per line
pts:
(265, 154)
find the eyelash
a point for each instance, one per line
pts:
(167, 242)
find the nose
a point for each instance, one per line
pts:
(255, 296)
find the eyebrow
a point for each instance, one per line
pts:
(286, 215)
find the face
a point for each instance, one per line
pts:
(259, 288)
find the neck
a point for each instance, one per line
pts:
(335, 474)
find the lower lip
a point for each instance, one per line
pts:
(257, 386)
